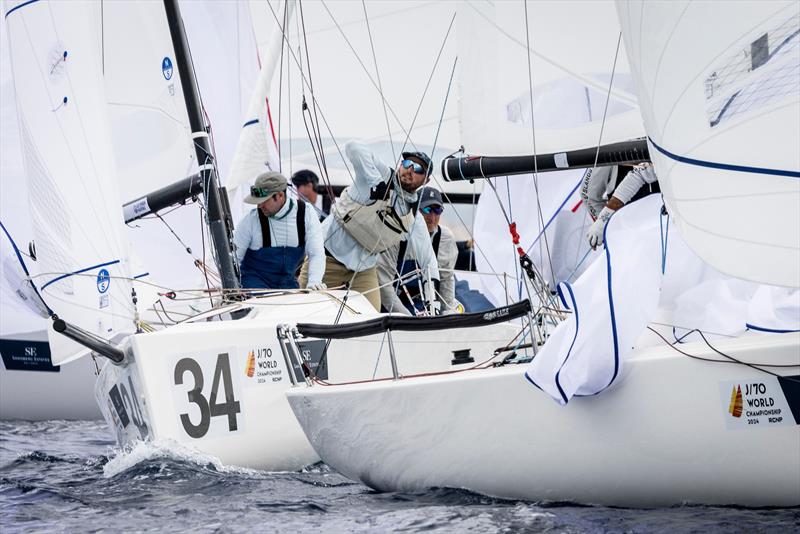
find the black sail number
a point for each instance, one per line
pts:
(231, 406)
(208, 409)
(195, 396)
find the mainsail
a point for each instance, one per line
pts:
(74, 202)
(723, 121)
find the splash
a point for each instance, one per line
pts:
(145, 451)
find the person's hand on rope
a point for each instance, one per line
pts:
(596, 231)
(317, 287)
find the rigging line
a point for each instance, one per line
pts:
(380, 85)
(324, 168)
(535, 162)
(284, 44)
(324, 120)
(730, 359)
(366, 71)
(602, 128)
(428, 84)
(185, 247)
(435, 141)
(205, 271)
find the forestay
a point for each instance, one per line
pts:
(724, 126)
(75, 206)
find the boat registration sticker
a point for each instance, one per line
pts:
(766, 402)
(207, 393)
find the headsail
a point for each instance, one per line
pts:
(75, 206)
(723, 121)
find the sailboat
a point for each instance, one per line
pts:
(215, 381)
(675, 377)
(152, 147)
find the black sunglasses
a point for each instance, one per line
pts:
(427, 210)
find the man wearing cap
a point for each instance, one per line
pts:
(372, 215)
(305, 183)
(273, 239)
(395, 264)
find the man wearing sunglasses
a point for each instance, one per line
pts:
(397, 263)
(373, 214)
(273, 239)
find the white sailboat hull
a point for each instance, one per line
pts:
(663, 434)
(36, 395)
(165, 389)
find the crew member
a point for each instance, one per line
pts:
(397, 263)
(306, 183)
(273, 239)
(371, 215)
(641, 175)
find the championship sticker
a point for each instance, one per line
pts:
(767, 402)
(263, 365)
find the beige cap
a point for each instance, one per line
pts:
(267, 184)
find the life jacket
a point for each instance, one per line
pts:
(272, 267)
(411, 287)
(376, 226)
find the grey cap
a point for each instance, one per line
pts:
(267, 184)
(429, 196)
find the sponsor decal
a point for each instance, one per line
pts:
(21, 355)
(495, 314)
(103, 281)
(263, 367)
(766, 402)
(166, 68)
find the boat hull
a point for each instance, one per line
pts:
(663, 434)
(219, 387)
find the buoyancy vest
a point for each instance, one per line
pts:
(411, 286)
(376, 226)
(272, 267)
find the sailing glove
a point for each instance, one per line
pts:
(317, 287)
(595, 233)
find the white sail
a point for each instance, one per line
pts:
(723, 121)
(74, 202)
(150, 127)
(256, 149)
(572, 59)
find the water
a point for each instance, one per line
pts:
(68, 476)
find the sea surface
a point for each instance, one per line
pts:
(69, 476)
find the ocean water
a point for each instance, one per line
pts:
(69, 476)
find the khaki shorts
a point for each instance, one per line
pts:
(336, 275)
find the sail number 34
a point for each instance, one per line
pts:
(209, 407)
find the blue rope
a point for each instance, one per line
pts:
(664, 238)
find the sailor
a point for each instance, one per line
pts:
(273, 239)
(305, 183)
(398, 262)
(641, 175)
(372, 215)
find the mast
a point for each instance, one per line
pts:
(471, 167)
(216, 211)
